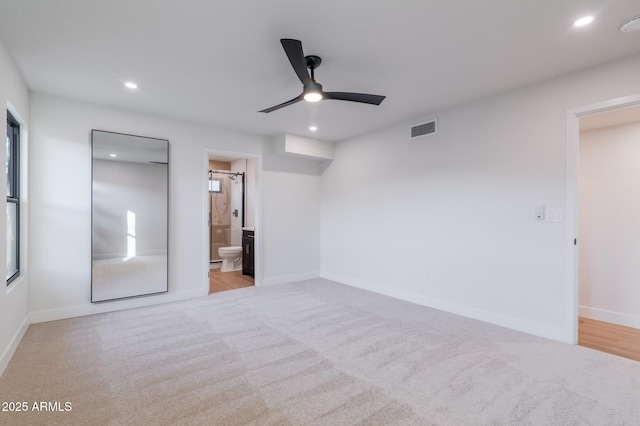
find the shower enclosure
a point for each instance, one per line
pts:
(226, 210)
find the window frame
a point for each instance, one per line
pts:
(13, 185)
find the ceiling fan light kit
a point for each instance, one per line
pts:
(312, 90)
(312, 97)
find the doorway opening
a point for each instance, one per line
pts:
(603, 149)
(231, 207)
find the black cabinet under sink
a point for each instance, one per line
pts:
(247, 252)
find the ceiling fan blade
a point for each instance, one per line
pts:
(355, 97)
(284, 104)
(293, 49)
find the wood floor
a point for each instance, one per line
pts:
(222, 281)
(611, 338)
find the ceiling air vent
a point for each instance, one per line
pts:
(428, 128)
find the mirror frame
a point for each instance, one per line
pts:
(167, 192)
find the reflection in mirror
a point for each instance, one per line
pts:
(129, 204)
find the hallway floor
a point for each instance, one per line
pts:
(610, 338)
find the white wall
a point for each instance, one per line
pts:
(609, 219)
(292, 207)
(448, 220)
(60, 189)
(14, 300)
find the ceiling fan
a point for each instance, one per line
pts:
(312, 90)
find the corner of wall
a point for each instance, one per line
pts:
(14, 300)
(13, 345)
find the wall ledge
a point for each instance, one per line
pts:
(302, 147)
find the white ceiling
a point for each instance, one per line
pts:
(220, 62)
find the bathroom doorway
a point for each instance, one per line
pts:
(598, 304)
(608, 315)
(231, 206)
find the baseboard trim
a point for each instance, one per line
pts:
(13, 345)
(284, 279)
(99, 308)
(518, 324)
(609, 316)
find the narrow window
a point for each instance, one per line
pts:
(13, 199)
(215, 185)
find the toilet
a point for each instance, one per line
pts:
(231, 258)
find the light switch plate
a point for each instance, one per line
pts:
(553, 214)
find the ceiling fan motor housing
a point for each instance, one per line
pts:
(312, 86)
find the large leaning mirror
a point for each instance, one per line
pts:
(129, 221)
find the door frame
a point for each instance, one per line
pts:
(257, 210)
(572, 169)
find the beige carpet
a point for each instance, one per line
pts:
(314, 352)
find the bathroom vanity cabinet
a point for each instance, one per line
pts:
(247, 252)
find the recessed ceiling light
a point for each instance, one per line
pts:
(629, 25)
(131, 85)
(585, 20)
(112, 155)
(313, 128)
